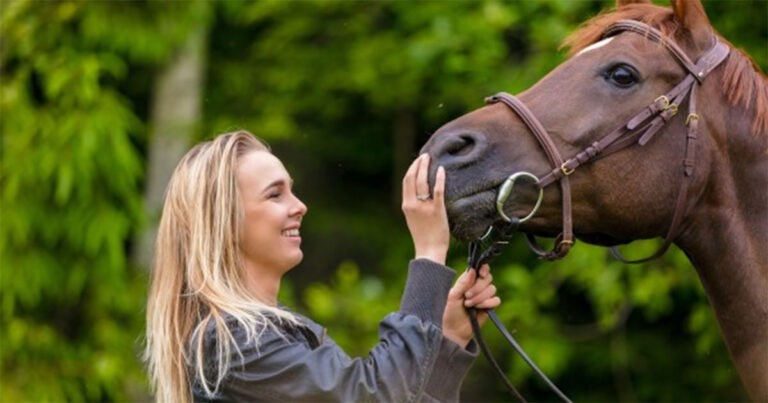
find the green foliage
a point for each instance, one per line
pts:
(351, 306)
(71, 199)
(69, 179)
(331, 84)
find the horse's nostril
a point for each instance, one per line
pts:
(456, 149)
(461, 145)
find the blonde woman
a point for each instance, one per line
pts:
(229, 231)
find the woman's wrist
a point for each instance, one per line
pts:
(437, 256)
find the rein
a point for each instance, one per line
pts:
(639, 129)
(479, 254)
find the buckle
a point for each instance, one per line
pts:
(663, 99)
(666, 104)
(565, 170)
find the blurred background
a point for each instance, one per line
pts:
(99, 100)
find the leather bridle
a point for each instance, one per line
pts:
(639, 129)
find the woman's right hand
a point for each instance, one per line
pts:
(426, 216)
(472, 290)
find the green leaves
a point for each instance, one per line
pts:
(70, 197)
(350, 306)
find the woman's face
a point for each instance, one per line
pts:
(270, 241)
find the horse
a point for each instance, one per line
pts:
(655, 126)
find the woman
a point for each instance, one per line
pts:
(229, 231)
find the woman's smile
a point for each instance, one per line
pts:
(292, 233)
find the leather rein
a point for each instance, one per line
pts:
(639, 129)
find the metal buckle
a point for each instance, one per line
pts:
(667, 104)
(664, 99)
(565, 170)
(506, 190)
(673, 108)
(690, 117)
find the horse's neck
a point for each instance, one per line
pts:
(727, 242)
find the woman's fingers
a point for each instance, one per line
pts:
(490, 303)
(463, 284)
(416, 180)
(482, 293)
(422, 184)
(438, 192)
(484, 278)
(409, 180)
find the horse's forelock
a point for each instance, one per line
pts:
(592, 30)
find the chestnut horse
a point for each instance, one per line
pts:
(699, 177)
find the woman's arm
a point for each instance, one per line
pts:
(398, 368)
(428, 223)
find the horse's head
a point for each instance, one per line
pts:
(611, 78)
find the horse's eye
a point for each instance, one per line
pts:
(622, 76)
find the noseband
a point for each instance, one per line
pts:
(640, 129)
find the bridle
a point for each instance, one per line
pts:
(639, 129)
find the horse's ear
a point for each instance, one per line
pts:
(691, 16)
(620, 3)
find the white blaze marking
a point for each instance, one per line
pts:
(595, 45)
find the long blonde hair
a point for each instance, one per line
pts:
(197, 280)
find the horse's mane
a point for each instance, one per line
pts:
(743, 81)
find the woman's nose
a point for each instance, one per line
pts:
(299, 207)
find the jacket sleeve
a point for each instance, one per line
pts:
(411, 362)
(451, 366)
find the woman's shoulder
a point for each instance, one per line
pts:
(265, 329)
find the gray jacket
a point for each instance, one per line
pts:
(412, 362)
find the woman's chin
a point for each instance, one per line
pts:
(295, 259)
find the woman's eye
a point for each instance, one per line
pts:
(274, 195)
(622, 76)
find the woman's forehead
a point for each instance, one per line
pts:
(261, 168)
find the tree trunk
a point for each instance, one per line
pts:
(175, 116)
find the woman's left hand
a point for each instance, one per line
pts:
(468, 293)
(425, 211)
